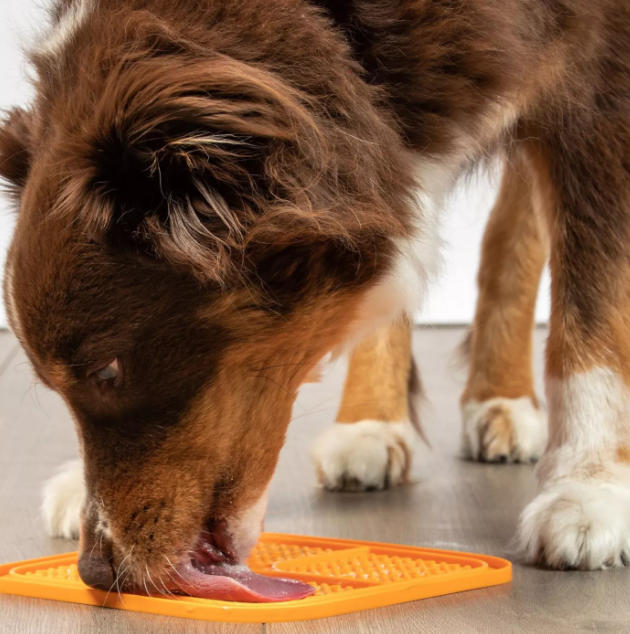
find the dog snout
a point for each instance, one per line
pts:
(96, 571)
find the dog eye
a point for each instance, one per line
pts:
(109, 373)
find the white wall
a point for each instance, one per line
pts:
(452, 299)
(19, 20)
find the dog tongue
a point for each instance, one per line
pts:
(228, 582)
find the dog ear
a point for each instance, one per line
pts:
(15, 149)
(188, 163)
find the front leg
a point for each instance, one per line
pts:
(503, 420)
(371, 445)
(581, 517)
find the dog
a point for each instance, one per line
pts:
(215, 195)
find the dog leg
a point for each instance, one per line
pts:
(502, 418)
(371, 444)
(581, 517)
(63, 498)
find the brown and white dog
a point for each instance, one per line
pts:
(215, 194)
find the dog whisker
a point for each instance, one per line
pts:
(282, 387)
(117, 577)
(280, 365)
(328, 409)
(146, 567)
(144, 581)
(170, 563)
(166, 592)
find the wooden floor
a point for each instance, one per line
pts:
(451, 504)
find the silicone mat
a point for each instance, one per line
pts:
(348, 576)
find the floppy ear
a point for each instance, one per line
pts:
(15, 149)
(186, 162)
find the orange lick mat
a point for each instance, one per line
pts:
(347, 575)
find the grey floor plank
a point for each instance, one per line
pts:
(8, 349)
(452, 504)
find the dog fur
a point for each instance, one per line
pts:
(216, 194)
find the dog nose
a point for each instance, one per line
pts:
(96, 571)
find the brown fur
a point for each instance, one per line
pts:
(623, 454)
(514, 253)
(207, 190)
(376, 385)
(497, 434)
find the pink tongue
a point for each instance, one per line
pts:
(238, 583)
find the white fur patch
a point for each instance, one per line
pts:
(588, 414)
(578, 525)
(366, 455)
(63, 499)
(63, 31)
(581, 518)
(417, 261)
(246, 528)
(9, 301)
(528, 430)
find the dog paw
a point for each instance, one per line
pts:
(63, 498)
(364, 456)
(504, 430)
(575, 525)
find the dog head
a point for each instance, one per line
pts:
(194, 234)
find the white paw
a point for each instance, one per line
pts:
(364, 456)
(578, 525)
(504, 430)
(63, 498)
